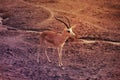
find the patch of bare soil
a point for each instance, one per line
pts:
(22, 15)
(93, 55)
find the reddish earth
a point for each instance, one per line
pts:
(93, 55)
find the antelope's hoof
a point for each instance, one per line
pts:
(60, 65)
(49, 61)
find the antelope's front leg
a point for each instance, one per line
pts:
(60, 56)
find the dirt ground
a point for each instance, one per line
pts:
(93, 55)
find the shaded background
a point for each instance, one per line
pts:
(94, 55)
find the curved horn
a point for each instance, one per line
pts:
(62, 22)
(68, 21)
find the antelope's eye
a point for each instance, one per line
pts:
(68, 31)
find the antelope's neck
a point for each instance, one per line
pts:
(65, 35)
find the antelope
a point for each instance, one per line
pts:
(56, 40)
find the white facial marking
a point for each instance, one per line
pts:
(71, 31)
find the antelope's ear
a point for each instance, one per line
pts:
(73, 26)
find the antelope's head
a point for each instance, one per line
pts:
(68, 28)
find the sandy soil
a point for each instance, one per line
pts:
(93, 55)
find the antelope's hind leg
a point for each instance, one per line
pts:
(38, 55)
(47, 55)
